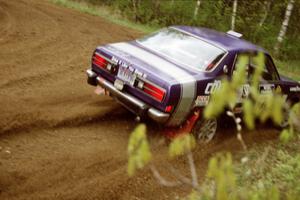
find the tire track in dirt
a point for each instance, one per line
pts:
(58, 140)
(48, 62)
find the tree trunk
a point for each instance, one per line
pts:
(284, 25)
(197, 8)
(157, 9)
(134, 5)
(267, 9)
(233, 15)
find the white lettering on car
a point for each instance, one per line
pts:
(121, 62)
(114, 59)
(246, 90)
(202, 100)
(266, 88)
(212, 87)
(243, 93)
(136, 72)
(295, 89)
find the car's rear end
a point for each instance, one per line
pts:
(145, 84)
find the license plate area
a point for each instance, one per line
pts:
(126, 74)
(119, 84)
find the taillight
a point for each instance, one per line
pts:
(99, 61)
(154, 91)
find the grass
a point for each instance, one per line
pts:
(104, 12)
(287, 68)
(272, 164)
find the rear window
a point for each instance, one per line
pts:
(184, 48)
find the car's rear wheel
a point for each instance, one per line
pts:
(205, 129)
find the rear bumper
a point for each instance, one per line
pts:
(130, 102)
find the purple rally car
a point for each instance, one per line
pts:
(167, 75)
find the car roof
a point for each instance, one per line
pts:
(226, 41)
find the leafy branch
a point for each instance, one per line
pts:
(220, 182)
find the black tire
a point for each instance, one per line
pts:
(205, 129)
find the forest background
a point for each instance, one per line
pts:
(272, 24)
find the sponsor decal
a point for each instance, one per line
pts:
(114, 59)
(212, 87)
(135, 72)
(243, 93)
(202, 100)
(120, 62)
(295, 89)
(266, 88)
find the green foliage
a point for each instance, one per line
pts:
(289, 68)
(228, 182)
(105, 12)
(285, 136)
(280, 167)
(138, 150)
(258, 20)
(181, 145)
(259, 105)
(217, 15)
(259, 63)
(266, 106)
(288, 170)
(222, 182)
(268, 179)
(229, 89)
(277, 105)
(249, 118)
(294, 118)
(217, 101)
(239, 76)
(220, 169)
(194, 195)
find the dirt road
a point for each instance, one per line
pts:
(58, 140)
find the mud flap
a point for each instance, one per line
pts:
(187, 126)
(92, 81)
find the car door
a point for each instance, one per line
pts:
(269, 77)
(269, 81)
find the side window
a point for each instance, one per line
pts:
(249, 70)
(270, 69)
(269, 72)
